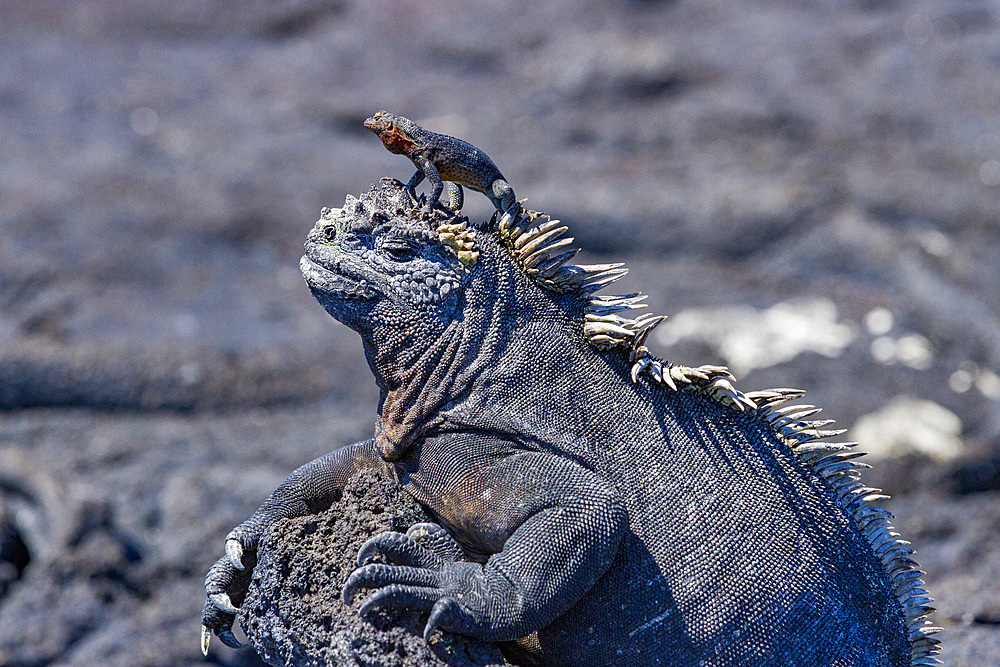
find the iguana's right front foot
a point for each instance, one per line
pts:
(226, 584)
(427, 572)
(309, 489)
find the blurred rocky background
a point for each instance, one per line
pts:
(810, 189)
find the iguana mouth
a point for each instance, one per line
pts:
(332, 284)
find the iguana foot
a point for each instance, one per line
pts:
(222, 584)
(226, 585)
(421, 577)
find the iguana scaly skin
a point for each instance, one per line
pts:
(439, 158)
(617, 509)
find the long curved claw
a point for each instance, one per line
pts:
(399, 597)
(234, 551)
(222, 601)
(378, 575)
(230, 640)
(443, 607)
(369, 550)
(206, 637)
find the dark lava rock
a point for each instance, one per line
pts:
(294, 615)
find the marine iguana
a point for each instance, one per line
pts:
(439, 158)
(617, 509)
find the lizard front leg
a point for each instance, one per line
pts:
(563, 525)
(425, 167)
(456, 198)
(415, 180)
(310, 489)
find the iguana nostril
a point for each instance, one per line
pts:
(329, 232)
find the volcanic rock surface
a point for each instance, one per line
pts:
(294, 613)
(816, 184)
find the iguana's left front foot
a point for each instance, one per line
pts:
(423, 576)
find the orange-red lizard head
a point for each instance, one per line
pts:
(394, 131)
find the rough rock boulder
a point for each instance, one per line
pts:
(293, 613)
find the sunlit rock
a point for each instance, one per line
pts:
(908, 425)
(748, 338)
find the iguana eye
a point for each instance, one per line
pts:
(399, 250)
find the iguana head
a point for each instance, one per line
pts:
(372, 263)
(398, 134)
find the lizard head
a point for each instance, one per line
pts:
(397, 133)
(373, 263)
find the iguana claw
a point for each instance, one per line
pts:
(368, 550)
(230, 640)
(222, 601)
(206, 637)
(441, 608)
(234, 550)
(398, 548)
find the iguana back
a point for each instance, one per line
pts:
(737, 551)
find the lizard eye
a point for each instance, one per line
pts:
(399, 250)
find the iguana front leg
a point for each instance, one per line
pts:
(562, 524)
(309, 490)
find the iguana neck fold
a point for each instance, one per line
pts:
(422, 374)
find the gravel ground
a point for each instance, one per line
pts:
(816, 185)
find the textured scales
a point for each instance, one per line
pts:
(533, 239)
(619, 509)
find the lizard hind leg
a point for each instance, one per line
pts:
(455, 196)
